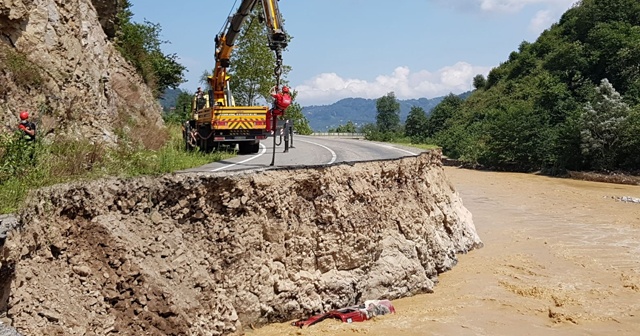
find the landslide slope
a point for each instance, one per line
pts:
(58, 62)
(206, 254)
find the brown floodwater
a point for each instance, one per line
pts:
(561, 257)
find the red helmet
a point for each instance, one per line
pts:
(24, 115)
(285, 89)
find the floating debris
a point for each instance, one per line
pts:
(628, 199)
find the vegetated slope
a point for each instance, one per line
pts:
(549, 106)
(205, 254)
(57, 61)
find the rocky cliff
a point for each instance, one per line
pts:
(57, 62)
(205, 254)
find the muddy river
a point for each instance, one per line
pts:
(561, 257)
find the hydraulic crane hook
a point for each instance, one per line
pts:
(277, 71)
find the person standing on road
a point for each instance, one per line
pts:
(27, 127)
(282, 100)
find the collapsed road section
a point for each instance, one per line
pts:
(206, 254)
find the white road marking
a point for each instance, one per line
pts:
(264, 150)
(396, 148)
(334, 156)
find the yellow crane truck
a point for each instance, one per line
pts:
(215, 118)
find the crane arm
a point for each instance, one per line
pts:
(276, 35)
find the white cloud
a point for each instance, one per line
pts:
(505, 6)
(548, 11)
(502, 5)
(517, 5)
(541, 21)
(330, 87)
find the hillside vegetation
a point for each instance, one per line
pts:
(570, 100)
(360, 111)
(140, 44)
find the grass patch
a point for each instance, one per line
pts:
(407, 142)
(25, 166)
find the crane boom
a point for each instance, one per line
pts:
(216, 120)
(276, 35)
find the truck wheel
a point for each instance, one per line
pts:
(248, 148)
(255, 148)
(243, 148)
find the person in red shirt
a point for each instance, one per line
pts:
(282, 100)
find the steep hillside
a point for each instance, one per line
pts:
(570, 100)
(57, 62)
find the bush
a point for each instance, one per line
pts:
(140, 44)
(26, 166)
(16, 155)
(23, 72)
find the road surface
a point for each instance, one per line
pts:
(310, 150)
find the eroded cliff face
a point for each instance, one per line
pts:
(57, 62)
(206, 254)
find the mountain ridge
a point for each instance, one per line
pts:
(361, 111)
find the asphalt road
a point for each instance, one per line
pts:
(310, 150)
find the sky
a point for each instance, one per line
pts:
(366, 48)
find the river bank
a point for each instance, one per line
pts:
(561, 257)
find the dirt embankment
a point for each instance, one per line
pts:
(208, 254)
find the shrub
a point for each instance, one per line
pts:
(23, 72)
(25, 166)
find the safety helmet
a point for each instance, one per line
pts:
(285, 89)
(24, 115)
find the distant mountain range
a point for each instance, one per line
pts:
(360, 111)
(322, 117)
(169, 98)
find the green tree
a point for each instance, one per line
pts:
(618, 45)
(515, 137)
(204, 80)
(416, 122)
(601, 126)
(252, 63)
(349, 127)
(371, 132)
(441, 114)
(140, 44)
(630, 141)
(495, 75)
(479, 82)
(182, 110)
(388, 113)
